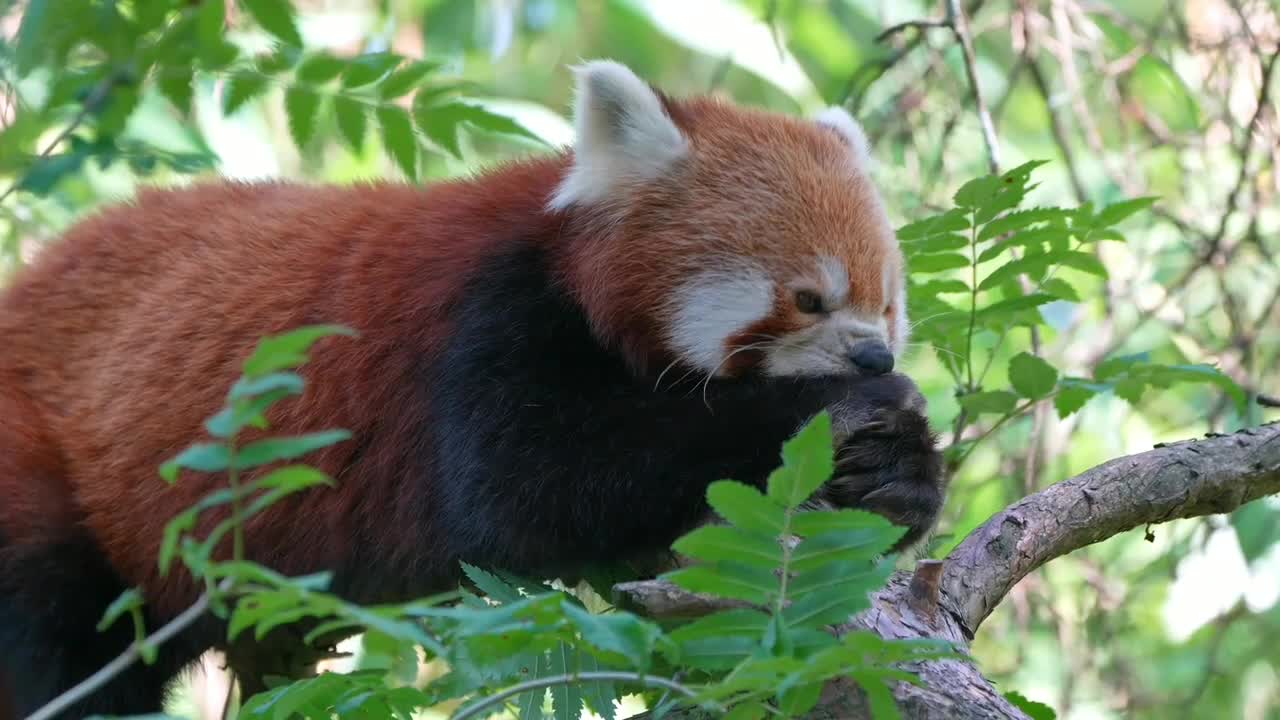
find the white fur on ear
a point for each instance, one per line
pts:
(838, 119)
(624, 135)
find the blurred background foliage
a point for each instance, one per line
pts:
(1176, 99)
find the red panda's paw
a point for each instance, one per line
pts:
(889, 463)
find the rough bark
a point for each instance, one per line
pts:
(1180, 480)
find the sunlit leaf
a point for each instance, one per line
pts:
(399, 138)
(352, 120)
(277, 18)
(301, 105)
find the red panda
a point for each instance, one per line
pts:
(554, 360)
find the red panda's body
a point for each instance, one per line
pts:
(503, 320)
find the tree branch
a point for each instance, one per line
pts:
(1179, 480)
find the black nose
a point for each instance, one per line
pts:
(872, 357)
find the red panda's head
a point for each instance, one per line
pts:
(729, 240)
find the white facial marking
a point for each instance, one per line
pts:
(902, 328)
(838, 119)
(625, 136)
(714, 306)
(835, 279)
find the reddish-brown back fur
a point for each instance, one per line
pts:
(125, 335)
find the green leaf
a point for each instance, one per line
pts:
(1073, 393)
(745, 507)
(721, 640)
(247, 388)
(1033, 240)
(940, 287)
(127, 602)
(1009, 312)
(816, 522)
(799, 699)
(841, 577)
(399, 139)
(620, 634)
(201, 457)
(1031, 376)
(1021, 220)
(441, 122)
(270, 450)
(566, 699)
(181, 524)
(121, 103)
(938, 262)
(1257, 527)
(1119, 365)
(879, 695)
(212, 47)
(529, 704)
(406, 79)
(288, 350)
(753, 710)
(320, 68)
(242, 87)
(720, 542)
(937, 243)
(808, 459)
(1082, 261)
(491, 585)
(602, 697)
(293, 478)
(1161, 91)
(954, 220)
(250, 412)
(174, 82)
(1060, 289)
(45, 173)
(368, 68)
(352, 120)
(301, 105)
(277, 18)
(999, 402)
(728, 581)
(1114, 214)
(845, 545)
(1034, 710)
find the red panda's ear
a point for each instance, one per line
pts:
(838, 119)
(625, 136)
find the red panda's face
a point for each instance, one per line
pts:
(731, 241)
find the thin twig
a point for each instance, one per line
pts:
(478, 708)
(959, 25)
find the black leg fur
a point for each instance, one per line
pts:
(52, 595)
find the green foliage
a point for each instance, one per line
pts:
(101, 62)
(1033, 709)
(803, 571)
(1017, 262)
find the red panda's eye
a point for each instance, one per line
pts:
(808, 302)
(888, 309)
